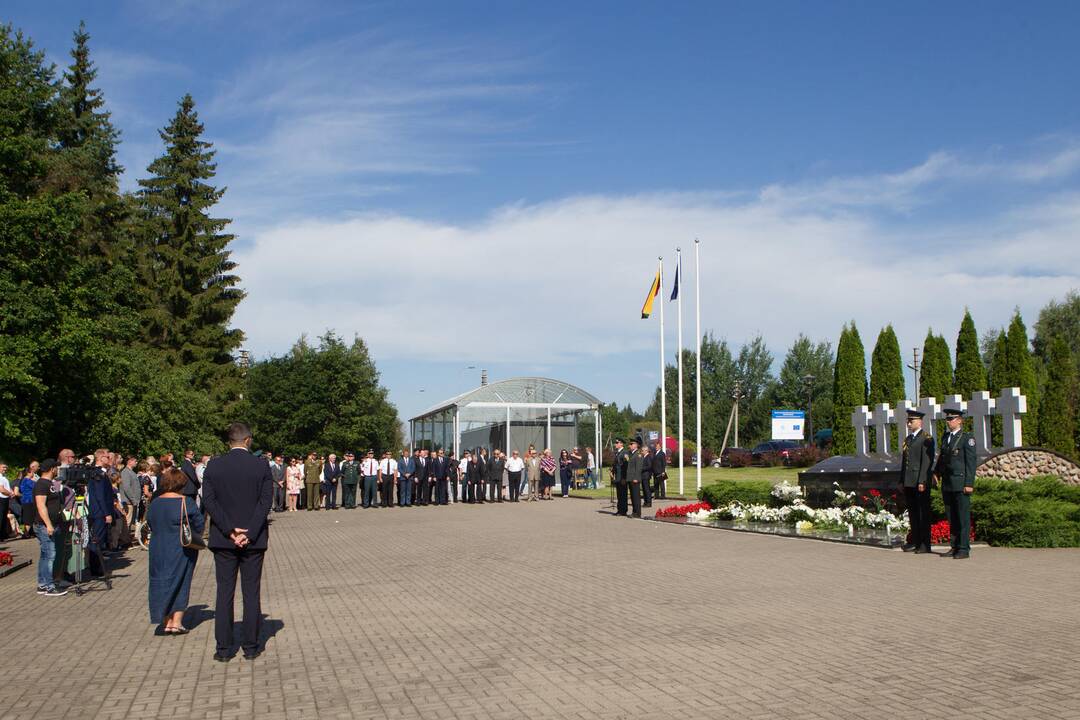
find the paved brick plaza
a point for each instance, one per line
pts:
(556, 610)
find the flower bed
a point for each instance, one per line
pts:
(939, 533)
(682, 510)
(788, 513)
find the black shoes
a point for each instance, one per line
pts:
(909, 547)
(921, 550)
(221, 657)
(252, 655)
(961, 555)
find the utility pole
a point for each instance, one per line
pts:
(915, 368)
(737, 396)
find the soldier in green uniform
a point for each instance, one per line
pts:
(955, 469)
(633, 476)
(312, 468)
(618, 476)
(916, 473)
(350, 478)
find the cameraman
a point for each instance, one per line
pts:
(101, 502)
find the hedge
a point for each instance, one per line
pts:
(1040, 512)
(722, 492)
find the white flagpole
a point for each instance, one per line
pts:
(682, 281)
(663, 386)
(697, 376)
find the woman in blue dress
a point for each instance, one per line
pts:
(171, 565)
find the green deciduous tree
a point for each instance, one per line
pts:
(325, 398)
(1058, 405)
(1058, 320)
(970, 374)
(807, 373)
(849, 387)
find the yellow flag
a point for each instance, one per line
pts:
(646, 309)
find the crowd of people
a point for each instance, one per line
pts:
(424, 478)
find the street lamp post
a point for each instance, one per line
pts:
(809, 380)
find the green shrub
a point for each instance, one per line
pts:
(749, 492)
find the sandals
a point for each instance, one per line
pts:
(176, 630)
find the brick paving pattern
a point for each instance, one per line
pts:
(555, 610)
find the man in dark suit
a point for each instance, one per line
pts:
(955, 468)
(494, 476)
(331, 474)
(659, 473)
(916, 471)
(480, 459)
(634, 465)
(618, 476)
(237, 492)
(187, 466)
(423, 468)
(646, 475)
(440, 471)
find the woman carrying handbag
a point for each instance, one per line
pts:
(177, 527)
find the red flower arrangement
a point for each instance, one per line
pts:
(939, 532)
(682, 510)
(6, 558)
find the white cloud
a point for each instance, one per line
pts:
(564, 281)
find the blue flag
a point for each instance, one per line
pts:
(675, 289)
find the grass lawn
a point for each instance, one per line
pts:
(709, 475)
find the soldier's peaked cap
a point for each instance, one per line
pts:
(912, 412)
(953, 412)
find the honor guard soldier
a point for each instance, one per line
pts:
(916, 474)
(350, 478)
(618, 476)
(955, 469)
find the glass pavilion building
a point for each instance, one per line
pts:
(511, 415)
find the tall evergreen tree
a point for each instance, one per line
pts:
(849, 388)
(1057, 408)
(1021, 373)
(935, 376)
(187, 260)
(886, 369)
(970, 374)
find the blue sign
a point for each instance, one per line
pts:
(787, 424)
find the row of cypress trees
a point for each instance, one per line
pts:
(1004, 358)
(115, 327)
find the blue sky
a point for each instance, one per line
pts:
(489, 184)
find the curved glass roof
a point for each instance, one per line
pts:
(519, 391)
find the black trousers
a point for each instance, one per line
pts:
(515, 486)
(226, 564)
(620, 495)
(478, 491)
(330, 491)
(454, 490)
(388, 491)
(958, 505)
(918, 508)
(441, 495)
(494, 491)
(660, 488)
(635, 498)
(646, 490)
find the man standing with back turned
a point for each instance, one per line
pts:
(237, 492)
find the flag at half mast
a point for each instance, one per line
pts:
(646, 309)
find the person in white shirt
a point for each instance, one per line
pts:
(590, 468)
(388, 475)
(463, 474)
(369, 469)
(514, 466)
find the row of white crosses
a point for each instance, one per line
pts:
(1009, 406)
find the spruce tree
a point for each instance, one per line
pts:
(849, 388)
(1021, 373)
(1057, 407)
(187, 259)
(886, 369)
(935, 375)
(970, 374)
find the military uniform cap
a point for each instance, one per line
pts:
(618, 440)
(953, 412)
(913, 413)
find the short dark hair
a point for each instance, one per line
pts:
(238, 433)
(172, 480)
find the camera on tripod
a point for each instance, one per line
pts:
(77, 477)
